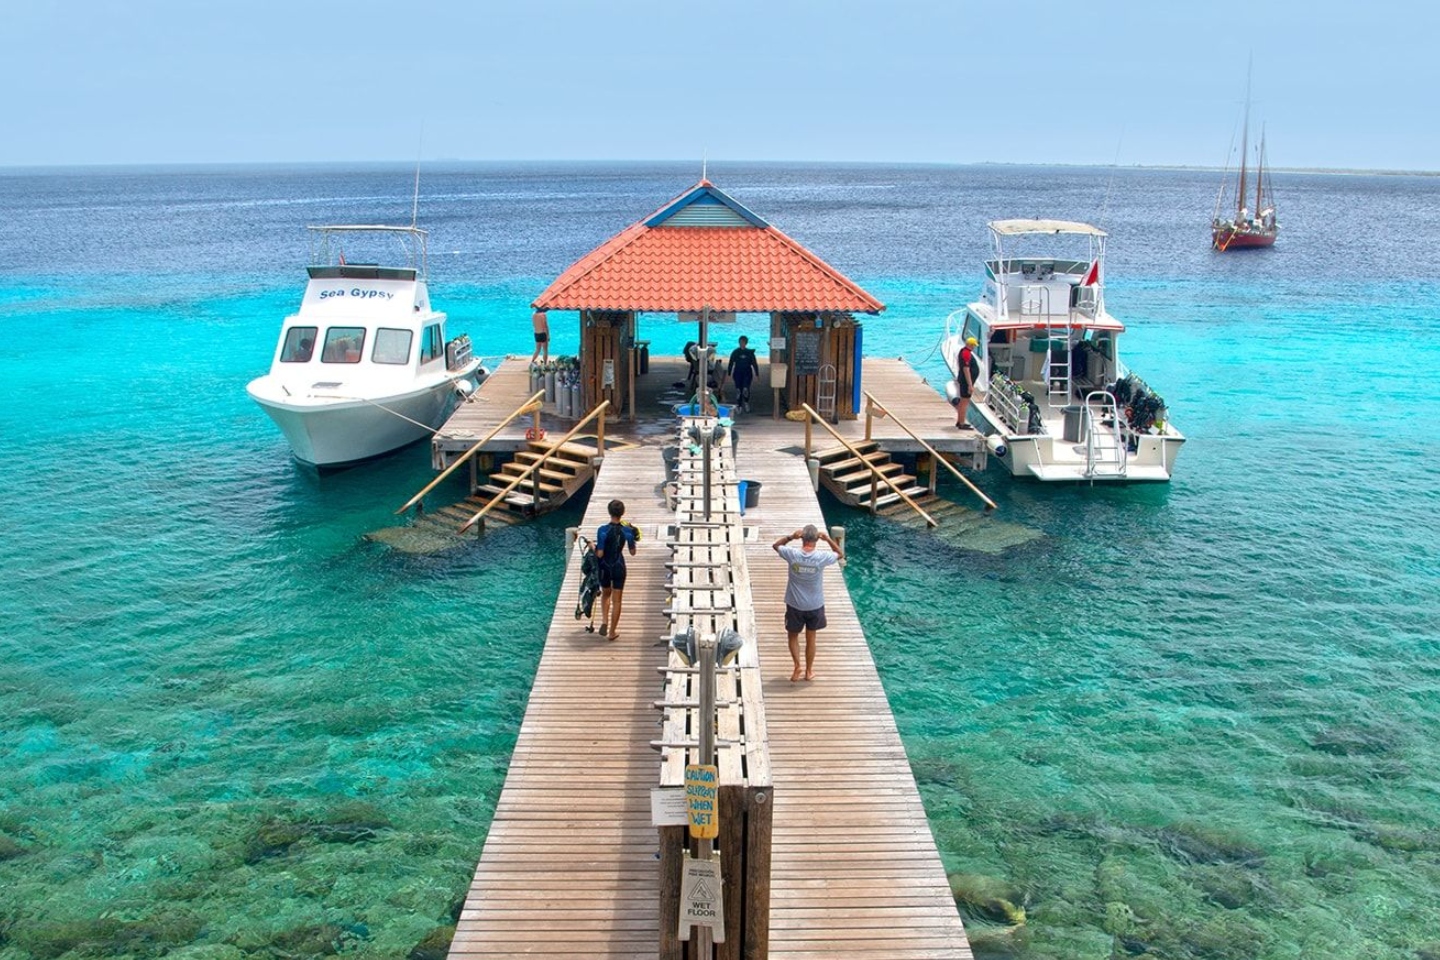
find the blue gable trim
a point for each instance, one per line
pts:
(702, 197)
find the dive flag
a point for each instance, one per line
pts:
(1092, 275)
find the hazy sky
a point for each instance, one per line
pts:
(1339, 84)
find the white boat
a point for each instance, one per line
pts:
(1052, 397)
(363, 368)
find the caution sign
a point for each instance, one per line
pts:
(700, 903)
(702, 798)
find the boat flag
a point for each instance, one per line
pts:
(342, 258)
(1092, 275)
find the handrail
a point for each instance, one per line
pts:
(533, 467)
(874, 472)
(884, 411)
(529, 406)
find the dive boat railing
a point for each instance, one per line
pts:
(1107, 449)
(1007, 399)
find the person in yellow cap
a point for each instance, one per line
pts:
(967, 368)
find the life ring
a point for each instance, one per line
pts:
(535, 433)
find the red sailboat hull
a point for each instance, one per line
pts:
(1226, 238)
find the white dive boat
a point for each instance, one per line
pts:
(364, 367)
(1052, 395)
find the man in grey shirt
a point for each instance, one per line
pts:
(805, 591)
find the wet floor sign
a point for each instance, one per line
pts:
(700, 903)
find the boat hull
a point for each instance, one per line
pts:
(1052, 459)
(330, 433)
(1224, 240)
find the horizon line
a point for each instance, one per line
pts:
(190, 164)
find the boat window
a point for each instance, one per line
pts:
(392, 346)
(973, 329)
(433, 344)
(343, 345)
(299, 345)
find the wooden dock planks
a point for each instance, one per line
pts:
(569, 867)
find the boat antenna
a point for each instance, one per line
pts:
(704, 164)
(415, 202)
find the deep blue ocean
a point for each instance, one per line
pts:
(1192, 721)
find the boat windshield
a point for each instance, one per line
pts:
(299, 345)
(343, 345)
(392, 345)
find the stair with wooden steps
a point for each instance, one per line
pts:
(569, 468)
(848, 477)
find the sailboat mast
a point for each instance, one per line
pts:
(1260, 174)
(1244, 152)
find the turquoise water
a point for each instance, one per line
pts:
(1194, 721)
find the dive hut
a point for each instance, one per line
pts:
(703, 257)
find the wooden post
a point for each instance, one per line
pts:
(703, 937)
(672, 856)
(759, 819)
(732, 869)
(874, 490)
(808, 421)
(869, 418)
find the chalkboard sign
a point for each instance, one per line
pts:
(806, 361)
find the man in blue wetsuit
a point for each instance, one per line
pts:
(610, 543)
(805, 592)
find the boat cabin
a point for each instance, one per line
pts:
(1040, 322)
(365, 320)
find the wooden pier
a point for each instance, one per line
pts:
(572, 863)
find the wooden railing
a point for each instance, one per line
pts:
(545, 458)
(876, 476)
(874, 408)
(532, 405)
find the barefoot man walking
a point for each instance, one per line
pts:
(805, 592)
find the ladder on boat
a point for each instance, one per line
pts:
(1057, 359)
(1107, 453)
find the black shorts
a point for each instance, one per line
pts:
(797, 620)
(542, 338)
(612, 577)
(964, 390)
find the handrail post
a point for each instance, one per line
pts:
(600, 436)
(807, 438)
(869, 415)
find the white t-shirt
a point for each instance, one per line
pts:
(805, 589)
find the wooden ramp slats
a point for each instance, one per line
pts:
(569, 868)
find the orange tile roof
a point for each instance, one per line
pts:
(669, 262)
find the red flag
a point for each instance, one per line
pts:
(342, 258)
(1092, 276)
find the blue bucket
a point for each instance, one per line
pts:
(693, 410)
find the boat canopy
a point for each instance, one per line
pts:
(1011, 228)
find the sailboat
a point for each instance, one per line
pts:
(1250, 226)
